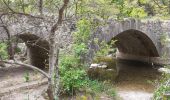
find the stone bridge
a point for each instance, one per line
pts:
(141, 40)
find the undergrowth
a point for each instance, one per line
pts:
(75, 80)
(73, 76)
(163, 88)
(3, 51)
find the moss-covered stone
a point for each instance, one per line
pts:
(104, 73)
(108, 60)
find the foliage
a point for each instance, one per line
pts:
(106, 48)
(73, 72)
(90, 8)
(3, 51)
(81, 37)
(158, 7)
(164, 83)
(74, 78)
(129, 8)
(83, 31)
(159, 93)
(95, 86)
(26, 76)
(163, 87)
(111, 9)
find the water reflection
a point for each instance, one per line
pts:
(135, 75)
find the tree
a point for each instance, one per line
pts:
(53, 82)
(53, 75)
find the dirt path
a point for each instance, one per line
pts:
(13, 85)
(134, 81)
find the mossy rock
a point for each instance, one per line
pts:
(102, 74)
(108, 73)
(109, 61)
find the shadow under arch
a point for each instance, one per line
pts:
(137, 43)
(38, 49)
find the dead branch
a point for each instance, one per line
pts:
(17, 13)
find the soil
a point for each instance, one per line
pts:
(14, 86)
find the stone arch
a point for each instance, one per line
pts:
(137, 43)
(37, 49)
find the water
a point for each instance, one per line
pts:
(135, 80)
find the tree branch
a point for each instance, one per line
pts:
(60, 18)
(17, 13)
(40, 6)
(22, 14)
(28, 66)
(53, 56)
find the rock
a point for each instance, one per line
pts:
(9, 65)
(11, 61)
(164, 70)
(109, 61)
(102, 74)
(103, 66)
(94, 65)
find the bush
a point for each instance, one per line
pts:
(3, 51)
(163, 87)
(97, 87)
(159, 93)
(74, 78)
(73, 71)
(72, 74)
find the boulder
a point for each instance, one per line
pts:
(104, 68)
(164, 70)
(102, 73)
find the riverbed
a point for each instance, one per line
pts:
(136, 80)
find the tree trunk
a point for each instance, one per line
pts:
(169, 7)
(53, 84)
(52, 65)
(40, 6)
(10, 48)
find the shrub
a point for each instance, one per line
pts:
(163, 87)
(72, 69)
(3, 51)
(72, 74)
(74, 78)
(97, 87)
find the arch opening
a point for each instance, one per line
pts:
(134, 42)
(37, 50)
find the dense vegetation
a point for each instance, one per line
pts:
(73, 68)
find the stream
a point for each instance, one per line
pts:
(135, 80)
